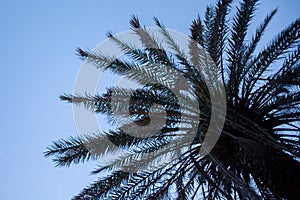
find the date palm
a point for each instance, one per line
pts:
(257, 153)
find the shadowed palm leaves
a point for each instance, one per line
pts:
(257, 153)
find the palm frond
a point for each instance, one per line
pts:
(284, 41)
(102, 186)
(237, 45)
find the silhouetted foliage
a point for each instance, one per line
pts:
(257, 154)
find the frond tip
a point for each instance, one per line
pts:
(71, 150)
(83, 54)
(134, 22)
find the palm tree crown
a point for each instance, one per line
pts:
(257, 153)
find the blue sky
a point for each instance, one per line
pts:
(38, 42)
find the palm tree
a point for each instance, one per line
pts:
(257, 153)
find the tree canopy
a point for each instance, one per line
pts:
(257, 153)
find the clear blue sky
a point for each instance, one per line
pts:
(38, 41)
